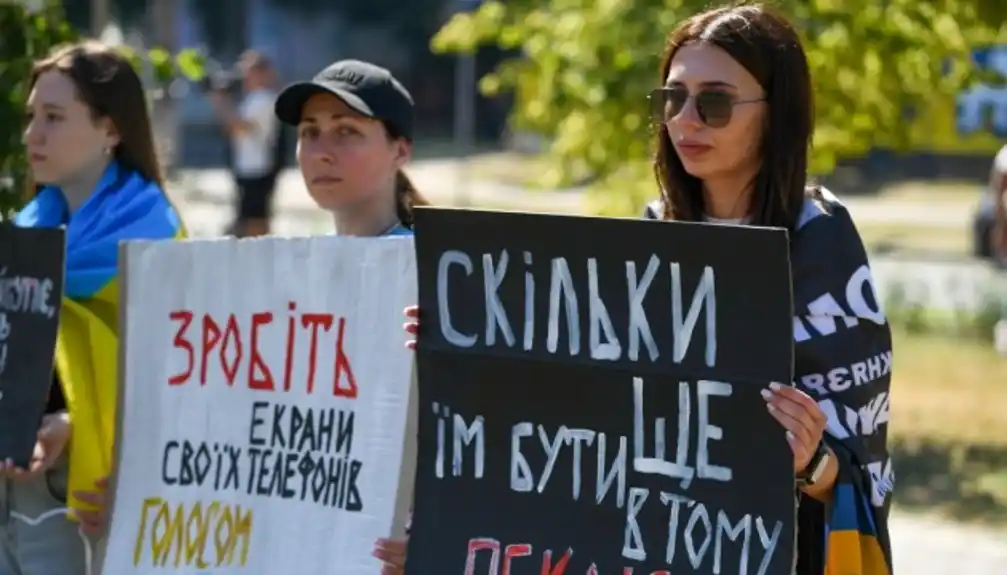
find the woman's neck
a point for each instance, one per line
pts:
(728, 198)
(78, 189)
(367, 219)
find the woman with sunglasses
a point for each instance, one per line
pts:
(735, 119)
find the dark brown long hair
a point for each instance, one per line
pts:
(767, 45)
(406, 195)
(109, 86)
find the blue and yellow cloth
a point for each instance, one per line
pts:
(124, 206)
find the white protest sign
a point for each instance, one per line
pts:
(264, 393)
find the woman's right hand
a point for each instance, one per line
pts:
(412, 325)
(392, 553)
(94, 520)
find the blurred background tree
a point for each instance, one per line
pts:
(588, 65)
(29, 34)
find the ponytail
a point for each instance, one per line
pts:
(406, 198)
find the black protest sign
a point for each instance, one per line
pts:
(31, 286)
(590, 397)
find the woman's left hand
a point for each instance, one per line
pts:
(800, 416)
(392, 553)
(53, 435)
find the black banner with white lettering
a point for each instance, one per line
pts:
(843, 359)
(31, 286)
(589, 395)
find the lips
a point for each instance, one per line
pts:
(692, 149)
(36, 157)
(325, 180)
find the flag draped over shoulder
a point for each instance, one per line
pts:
(124, 206)
(843, 359)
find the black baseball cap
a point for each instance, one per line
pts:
(370, 90)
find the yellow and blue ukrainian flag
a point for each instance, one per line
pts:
(124, 206)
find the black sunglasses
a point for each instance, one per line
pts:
(714, 107)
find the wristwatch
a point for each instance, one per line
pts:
(816, 467)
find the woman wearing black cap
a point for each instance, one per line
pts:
(354, 136)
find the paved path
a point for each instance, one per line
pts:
(924, 546)
(445, 182)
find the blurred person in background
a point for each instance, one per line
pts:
(998, 187)
(95, 173)
(254, 136)
(998, 237)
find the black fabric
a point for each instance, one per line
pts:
(255, 197)
(842, 350)
(57, 401)
(843, 354)
(368, 89)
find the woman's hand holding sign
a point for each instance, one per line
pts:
(800, 416)
(93, 521)
(392, 553)
(53, 435)
(805, 423)
(412, 325)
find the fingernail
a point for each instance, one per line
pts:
(766, 394)
(776, 386)
(770, 407)
(790, 435)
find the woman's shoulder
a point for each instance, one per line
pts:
(820, 202)
(825, 236)
(652, 211)
(144, 208)
(825, 222)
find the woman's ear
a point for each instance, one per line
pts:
(403, 152)
(112, 137)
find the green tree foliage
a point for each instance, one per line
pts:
(589, 64)
(26, 36)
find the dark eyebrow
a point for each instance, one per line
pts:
(711, 84)
(337, 116)
(52, 107)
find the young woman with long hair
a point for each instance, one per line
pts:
(95, 173)
(734, 118)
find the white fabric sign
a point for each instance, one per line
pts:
(263, 401)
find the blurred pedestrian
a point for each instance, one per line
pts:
(998, 187)
(254, 134)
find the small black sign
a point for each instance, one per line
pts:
(31, 289)
(590, 397)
